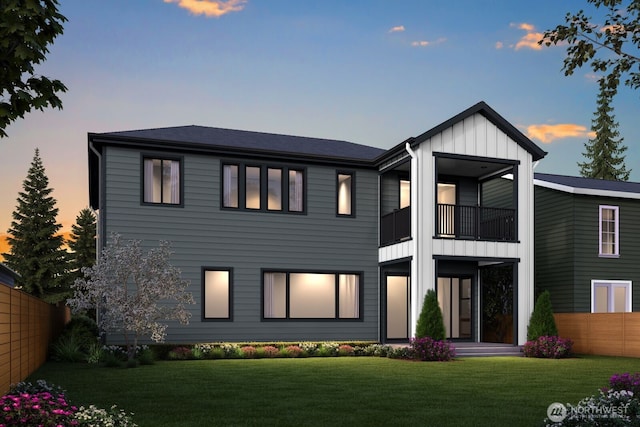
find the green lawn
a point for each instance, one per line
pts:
(349, 391)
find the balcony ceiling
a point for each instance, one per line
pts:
(469, 168)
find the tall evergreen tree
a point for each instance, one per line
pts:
(604, 154)
(35, 249)
(83, 242)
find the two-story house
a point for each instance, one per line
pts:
(587, 237)
(291, 238)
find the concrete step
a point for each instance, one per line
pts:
(479, 349)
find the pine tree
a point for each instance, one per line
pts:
(431, 323)
(604, 154)
(83, 242)
(36, 252)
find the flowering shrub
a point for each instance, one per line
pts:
(180, 353)
(626, 381)
(269, 351)
(400, 353)
(346, 350)
(380, 350)
(38, 409)
(248, 351)
(45, 405)
(328, 349)
(93, 416)
(293, 351)
(231, 350)
(428, 349)
(548, 347)
(309, 347)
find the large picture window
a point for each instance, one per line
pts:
(610, 296)
(161, 181)
(609, 236)
(216, 293)
(295, 295)
(263, 188)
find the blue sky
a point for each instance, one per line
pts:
(372, 72)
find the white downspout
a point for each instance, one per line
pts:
(415, 261)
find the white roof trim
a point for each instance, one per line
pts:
(586, 191)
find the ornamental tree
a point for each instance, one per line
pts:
(36, 252)
(134, 292)
(609, 43)
(27, 28)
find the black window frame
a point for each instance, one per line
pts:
(161, 157)
(352, 174)
(204, 318)
(264, 187)
(336, 274)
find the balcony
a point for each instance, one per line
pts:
(454, 221)
(395, 226)
(476, 223)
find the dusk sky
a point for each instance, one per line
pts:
(371, 72)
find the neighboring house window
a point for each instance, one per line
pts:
(263, 188)
(161, 181)
(345, 194)
(609, 236)
(610, 296)
(217, 292)
(289, 295)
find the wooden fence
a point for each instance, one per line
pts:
(608, 334)
(27, 327)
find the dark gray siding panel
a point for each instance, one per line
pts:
(566, 247)
(588, 265)
(498, 193)
(204, 235)
(554, 246)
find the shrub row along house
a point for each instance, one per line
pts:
(289, 238)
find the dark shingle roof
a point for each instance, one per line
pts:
(246, 141)
(581, 185)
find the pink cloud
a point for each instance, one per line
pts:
(210, 8)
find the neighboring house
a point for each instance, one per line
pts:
(588, 243)
(289, 238)
(7, 275)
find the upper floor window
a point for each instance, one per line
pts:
(345, 194)
(609, 238)
(263, 188)
(161, 181)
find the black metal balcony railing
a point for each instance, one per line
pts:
(475, 222)
(395, 226)
(455, 221)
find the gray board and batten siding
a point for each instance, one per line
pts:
(566, 235)
(203, 234)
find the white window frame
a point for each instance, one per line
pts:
(611, 284)
(616, 244)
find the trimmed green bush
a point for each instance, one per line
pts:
(430, 323)
(542, 323)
